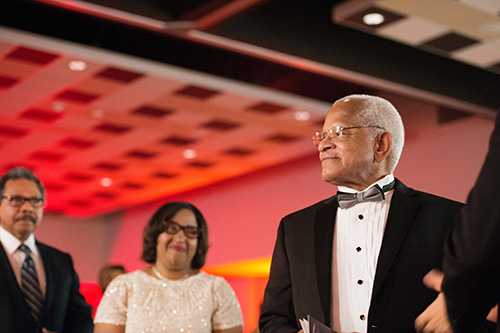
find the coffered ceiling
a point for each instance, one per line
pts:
(115, 103)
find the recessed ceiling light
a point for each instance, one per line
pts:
(302, 115)
(77, 66)
(373, 19)
(106, 182)
(58, 106)
(189, 154)
(97, 113)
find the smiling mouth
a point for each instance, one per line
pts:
(177, 248)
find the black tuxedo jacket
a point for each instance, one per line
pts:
(64, 308)
(300, 278)
(472, 253)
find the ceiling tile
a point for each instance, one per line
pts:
(7, 82)
(283, 138)
(178, 141)
(268, 108)
(141, 154)
(110, 166)
(239, 152)
(117, 74)
(152, 111)
(197, 92)
(449, 42)
(31, 55)
(41, 115)
(77, 96)
(221, 125)
(77, 143)
(11, 131)
(112, 128)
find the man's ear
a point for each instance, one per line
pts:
(383, 145)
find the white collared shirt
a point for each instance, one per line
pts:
(356, 245)
(16, 257)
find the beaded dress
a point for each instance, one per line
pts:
(198, 303)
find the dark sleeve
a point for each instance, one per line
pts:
(79, 313)
(472, 252)
(278, 313)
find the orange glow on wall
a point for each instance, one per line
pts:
(255, 273)
(251, 268)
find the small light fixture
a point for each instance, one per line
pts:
(97, 113)
(302, 115)
(189, 154)
(106, 182)
(58, 106)
(77, 66)
(373, 19)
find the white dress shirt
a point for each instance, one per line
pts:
(356, 245)
(16, 257)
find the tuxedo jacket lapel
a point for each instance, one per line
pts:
(323, 246)
(400, 218)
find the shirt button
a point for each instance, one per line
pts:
(358, 249)
(362, 317)
(360, 217)
(360, 282)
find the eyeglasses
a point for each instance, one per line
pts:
(173, 228)
(18, 201)
(336, 132)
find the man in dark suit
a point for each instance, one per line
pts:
(39, 288)
(471, 263)
(355, 261)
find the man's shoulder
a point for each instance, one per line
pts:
(426, 197)
(50, 250)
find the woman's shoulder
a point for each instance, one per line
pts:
(132, 277)
(217, 282)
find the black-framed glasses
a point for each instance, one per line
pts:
(336, 132)
(172, 228)
(19, 200)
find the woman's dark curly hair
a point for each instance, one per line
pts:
(155, 227)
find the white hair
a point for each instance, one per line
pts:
(377, 111)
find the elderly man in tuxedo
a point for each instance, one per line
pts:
(355, 261)
(39, 288)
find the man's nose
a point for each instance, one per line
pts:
(325, 144)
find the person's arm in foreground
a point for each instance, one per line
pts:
(435, 317)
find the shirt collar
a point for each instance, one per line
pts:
(381, 182)
(11, 243)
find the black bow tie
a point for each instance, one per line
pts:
(374, 193)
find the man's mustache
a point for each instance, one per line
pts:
(26, 217)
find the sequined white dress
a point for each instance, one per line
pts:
(196, 304)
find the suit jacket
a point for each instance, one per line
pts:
(64, 308)
(300, 278)
(472, 253)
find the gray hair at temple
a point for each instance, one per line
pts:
(21, 173)
(374, 110)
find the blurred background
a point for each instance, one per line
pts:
(119, 106)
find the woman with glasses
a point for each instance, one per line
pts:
(171, 295)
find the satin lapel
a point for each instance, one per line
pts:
(323, 243)
(10, 287)
(399, 221)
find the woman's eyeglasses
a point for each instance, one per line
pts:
(172, 228)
